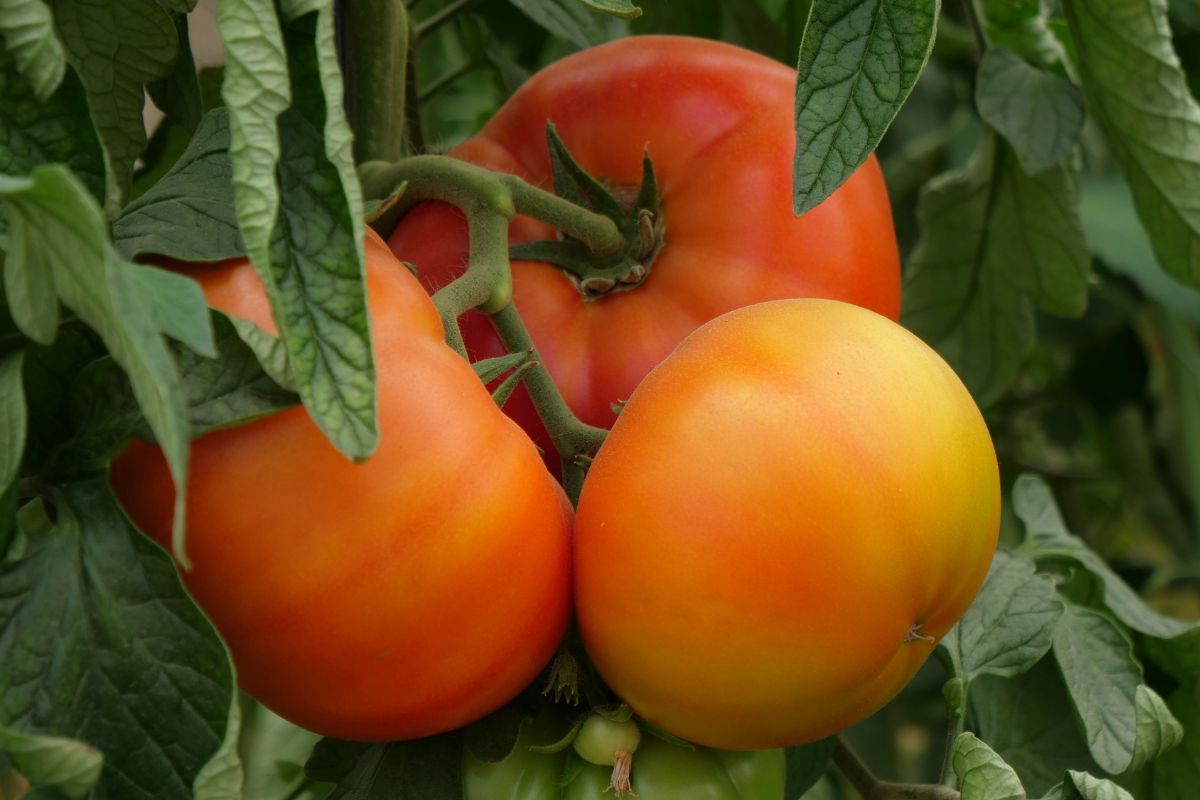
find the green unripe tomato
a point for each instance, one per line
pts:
(600, 739)
(755, 773)
(522, 775)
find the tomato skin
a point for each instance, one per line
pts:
(718, 123)
(787, 515)
(396, 598)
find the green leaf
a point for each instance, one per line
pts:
(13, 418)
(566, 19)
(1049, 539)
(859, 59)
(750, 27)
(1139, 94)
(227, 390)
(1176, 774)
(1157, 729)
(28, 31)
(422, 769)
(64, 233)
(806, 764)
(1022, 27)
(68, 765)
(177, 303)
(1097, 663)
(274, 751)
(1029, 721)
(116, 47)
(1082, 786)
(623, 9)
(1010, 626)
(982, 774)
(268, 349)
(35, 131)
(178, 95)
(994, 240)
(189, 214)
(102, 644)
(49, 373)
(1117, 236)
(222, 777)
(298, 201)
(1039, 113)
(29, 285)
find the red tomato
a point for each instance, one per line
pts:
(400, 597)
(718, 123)
(788, 514)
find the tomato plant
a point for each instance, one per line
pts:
(381, 600)
(342, 521)
(739, 612)
(716, 121)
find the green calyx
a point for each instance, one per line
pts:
(637, 215)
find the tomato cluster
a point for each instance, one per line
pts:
(796, 501)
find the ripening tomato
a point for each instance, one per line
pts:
(399, 597)
(788, 514)
(718, 123)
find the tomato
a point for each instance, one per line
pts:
(788, 514)
(718, 122)
(661, 771)
(396, 598)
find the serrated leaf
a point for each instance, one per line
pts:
(859, 59)
(569, 20)
(422, 769)
(64, 232)
(1157, 729)
(622, 9)
(1176, 774)
(994, 241)
(983, 775)
(178, 94)
(189, 214)
(28, 31)
(1029, 721)
(178, 306)
(116, 47)
(71, 766)
(806, 764)
(1102, 676)
(13, 418)
(94, 617)
(1048, 538)
(1138, 92)
(1039, 113)
(57, 129)
(1010, 626)
(308, 250)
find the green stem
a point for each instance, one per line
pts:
(489, 200)
(441, 83)
(871, 788)
(462, 184)
(976, 22)
(573, 439)
(375, 75)
(440, 18)
(955, 726)
(598, 232)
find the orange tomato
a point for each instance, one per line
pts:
(400, 597)
(788, 514)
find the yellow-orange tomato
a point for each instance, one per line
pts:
(788, 514)
(396, 598)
